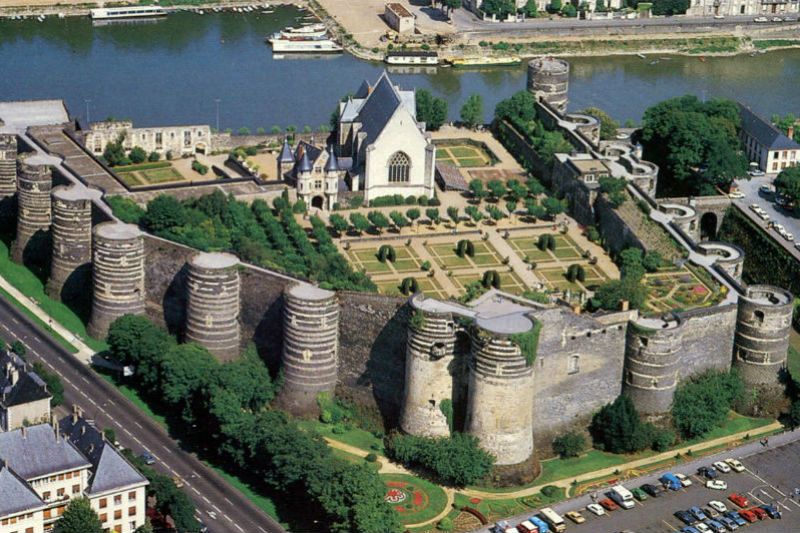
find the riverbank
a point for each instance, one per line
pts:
(80, 8)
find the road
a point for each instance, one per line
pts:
(776, 214)
(772, 473)
(101, 401)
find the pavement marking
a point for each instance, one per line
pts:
(206, 499)
(227, 500)
(673, 528)
(216, 509)
(138, 425)
(239, 528)
(197, 491)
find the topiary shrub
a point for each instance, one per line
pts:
(550, 491)
(371, 458)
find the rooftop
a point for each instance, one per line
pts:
(74, 192)
(306, 291)
(18, 116)
(16, 495)
(215, 260)
(117, 231)
(399, 9)
(765, 133)
(36, 451)
(18, 384)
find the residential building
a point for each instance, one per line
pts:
(708, 8)
(178, 140)
(399, 18)
(44, 467)
(389, 150)
(24, 398)
(766, 145)
(315, 172)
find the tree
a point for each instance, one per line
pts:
(79, 517)
(652, 261)
(617, 428)
(553, 206)
(631, 266)
(413, 214)
(793, 416)
(474, 214)
(496, 189)
(610, 294)
(534, 186)
(511, 207)
(398, 219)
(339, 223)
(499, 8)
(114, 153)
(701, 403)
(496, 213)
(456, 460)
(477, 190)
(569, 444)
(359, 222)
(519, 109)
(600, 6)
(554, 6)
(153, 157)
(670, 7)
(18, 348)
(534, 210)
(54, 385)
(472, 111)
(430, 109)
(433, 214)
(569, 11)
(137, 155)
(531, 9)
(378, 220)
(451, 5)
(164, 212)
(452, 214)
(135, 340)
(185, 370)
(788, 183)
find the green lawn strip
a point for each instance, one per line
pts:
(27, 312)
(130, 179)
(485, 260)
(471, 162)
(162, 175)
(464, 151)
(356, 437)
(28, 284)
(437, 499)
(355, 459)
(259, 500)
(793, 359)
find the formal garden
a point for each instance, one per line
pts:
(464, 153)
(680, 288)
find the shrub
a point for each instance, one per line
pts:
(153, 157)
(426, 265)
(456, 460)
(199, 167)
(551, 491)
(702, 402)
(568, 445)
(491, 279)
(371, 458)
(409, 286)
(387, 253)
(299, 207)
(445, 524)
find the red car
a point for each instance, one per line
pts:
(608, 504)
(739, 500)
(748, 515)
(759, 512)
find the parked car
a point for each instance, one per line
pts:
(735, 464)
(653, 490)
(148, 458)
(689, 529)
(717, 484)
(685, 517)
(797, 244)
(766, 190)
(702, 528)
(715, 526)
(748, 515)
(761, 20)
(722, 466)
(728, 523)
(711, 512)
(772, 511)
(738, 520)
(756, 172)
(777, 19)
(596, 509)
(718, 506)
(575, 516)
(697, 513)
(608, 504)
(738, 499)
(759, 512)
(685, 481)
(736, 195)
(639, 494)
(707, 472)
(670, 481)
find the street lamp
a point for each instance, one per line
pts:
(88, 101)
(216, 100)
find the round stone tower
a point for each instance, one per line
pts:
(430, 354)
(548, 80)
(34, 182)
(310, 347)
(8, 165)
(212, 303)
(762, 334)
(118, 275)
(71, 233)
(500, 404)
(652, 363)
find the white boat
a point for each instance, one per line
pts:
(313, 31)
(317, 46)
(412, 58)
(127, 12)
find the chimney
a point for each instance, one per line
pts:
(624, 305)
(790, 132)
(13, 375)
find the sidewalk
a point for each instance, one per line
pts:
(85, 353)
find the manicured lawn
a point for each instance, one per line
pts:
(262, 502)
(357, 437)
(161, 175)
(58, 338)
(415, 500)
(28, 284)
(472, 162)
(355, 459)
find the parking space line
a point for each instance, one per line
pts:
(673, 528)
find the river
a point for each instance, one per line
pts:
(173, 71)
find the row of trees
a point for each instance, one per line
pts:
(233, 401)
(257, 233)
(633, 265)
(520, 111)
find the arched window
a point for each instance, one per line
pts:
(399, 165)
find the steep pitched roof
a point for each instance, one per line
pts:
(332, 165)
(18, 383)
(286, 152)
(35, 451)
(765, 133)
(306, 155)
(379, 107)
(16, 496)
(363, 90)
(111, 469)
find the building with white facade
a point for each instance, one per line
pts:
(179, 140)
(708, 8)
(44, 467)
(314, 171)
(399, 18)
(24, 398)
(766, 145)
(387, 151)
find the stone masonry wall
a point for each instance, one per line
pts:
(707, 339)
(617, 233)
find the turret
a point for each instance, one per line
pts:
(34, 182)
(548, 80)
(285, 160)
(763, 322)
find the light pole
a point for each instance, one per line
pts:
(216, 100)
(88, 101)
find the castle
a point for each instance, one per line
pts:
(512, 372)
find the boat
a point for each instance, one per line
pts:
(305, 32)
(412, 58)
(486, 61)
(317, 46)
(105, 13)
(641, 56)
(267, 11)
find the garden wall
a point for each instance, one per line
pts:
(617, 234)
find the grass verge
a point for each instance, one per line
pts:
(260, 501)
(27, 312)
(353, 436)
(437, 499)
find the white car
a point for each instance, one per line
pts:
(722, 466)
(788, 236)
(797, 244)
(685, 481)
(756, 173)
(701, 527)
(763, 215)
(735, 464)
(777, 19)
(716, 484)
(754, 208)
(718, 506)
(766, 189)
(736, 195)
(761, 19)
(596, 509)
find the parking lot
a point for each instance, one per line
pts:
(770, 477)
(776, 214)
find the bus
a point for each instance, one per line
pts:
(556, 523)
(622, 496)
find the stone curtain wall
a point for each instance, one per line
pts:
(617, 234)
(707, 339)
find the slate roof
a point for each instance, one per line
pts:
(110, 469)
(378, 108)
(363, 90)
(765, 133)
(286, 153)
(305, 155)
(450, 178)
(29, 387)
(34, 452)
(332, 165)
(16, 496)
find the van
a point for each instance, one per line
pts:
(670, 481)
(527, 527)
(622, 496)
(541, 524)
(554, 520)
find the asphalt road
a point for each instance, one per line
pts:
(776, 214)
(772, 473)
(102, 402)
